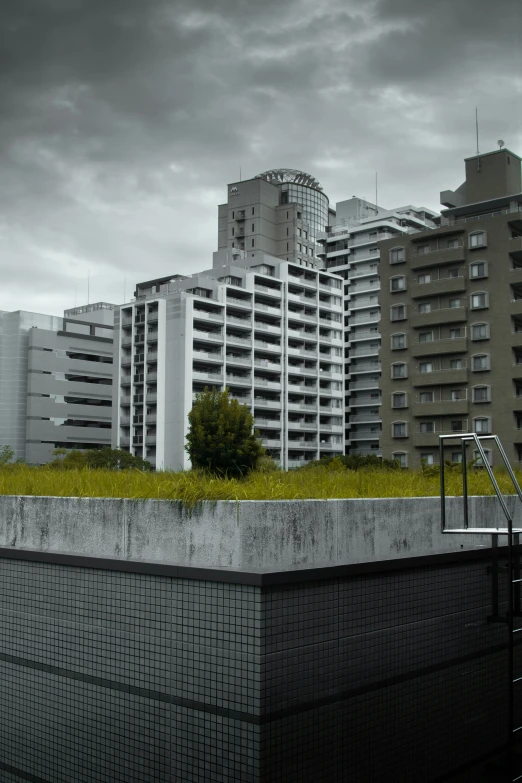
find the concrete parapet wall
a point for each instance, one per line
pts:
(253, 535)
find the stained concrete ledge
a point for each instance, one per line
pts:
(268, 535)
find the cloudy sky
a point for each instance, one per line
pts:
(122, 121)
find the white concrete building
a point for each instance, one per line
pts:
(269, 330)
(351, 249)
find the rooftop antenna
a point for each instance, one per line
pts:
(88, 286)
(477, 127)
(240, 174)
(124, 290)
(376, 207)
(500, 143)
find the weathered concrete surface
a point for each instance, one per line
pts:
(266, 535)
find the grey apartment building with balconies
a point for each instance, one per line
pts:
(451, 326)
(269, 330)
(351, 249)
(56, 381)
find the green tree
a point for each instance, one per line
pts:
(221, 437)
(6, 455)
(111, 459)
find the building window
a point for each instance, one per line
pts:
(478, 269)
(427, 427)
(453, 243)
(398, 341)
(425, 337)
(426, 367)
(482, 426)
(398, 312)
(427, 459)
(479, 300)
(401, 457)
(456, 456)
(477, 239)
(399, 429)
(456, 364)
(454, 303)
(479, 331)
(252, 243)
(455, 333)
(232, 230)
(425, 278)
(480, 394)
(396, 255)
(425, 307)
(399, 400)
(457, 394)
(421, 249)
(478, 458)
(480, 362)
(399, 370)
(453, 273)
(456, 425)
(398, 284)
(426, 396)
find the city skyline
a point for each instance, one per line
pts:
(124, 125)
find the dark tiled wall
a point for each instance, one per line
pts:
(111, 676)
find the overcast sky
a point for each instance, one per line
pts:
(122, 121)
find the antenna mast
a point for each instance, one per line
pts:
(477, 127)
(376, 207)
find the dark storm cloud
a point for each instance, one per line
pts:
(122, 121)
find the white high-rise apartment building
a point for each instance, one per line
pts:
(351, 248)
(268, 329)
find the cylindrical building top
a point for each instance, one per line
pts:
(298, 187)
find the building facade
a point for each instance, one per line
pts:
(279, 212)
(269, 330)
(56, 381)
(351, 249)
(451, 300)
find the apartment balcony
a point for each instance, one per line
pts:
(364, 435)
(440, 347)
(151, 397)
(338, 341)
(331, 392)
(298, 463)
(366, 271)
(151, 418)
(242, 399)
(446, 255)
(440, 317)
(330, 323)
(308, 318)
(440, 408)
(152, 316)
(515, 307)
(516, 339)
(239, 380)
(241, 323)
(440, 377)
(266, 346)
(310, 301)
(202, 375)
(151, 357)
(302, 387)
(299, 333)
(358, 369)
(266, 364)
(236, 301)
(365, 401)
(150, 440)
(126, 361)
(152, 336)
(208, 356)
(213, 337)
(364, 384)
(367, 351)
(125, 421)
(126, 340)
(356, 302)
(431, 439)
(301, 425)
(363, 334)
(260, 402)
(329, 288)
(239, 360)
(261, 326)
(125, 399)
(124, 441)
(125, 380)
(364, 319)
(232, 339)
(361, 287)
(446, 285)
(266, 383)
(516, 372)
(273, 424)
(301, 406)
(271, 443)
(334, 428)
(265, 289)
(267, 308)
(336, 376)
(298, 444)
(364, 418)
(206, 315)
(297, 351)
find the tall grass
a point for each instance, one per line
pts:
(193, 487)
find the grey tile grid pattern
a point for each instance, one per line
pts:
(111, 676)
